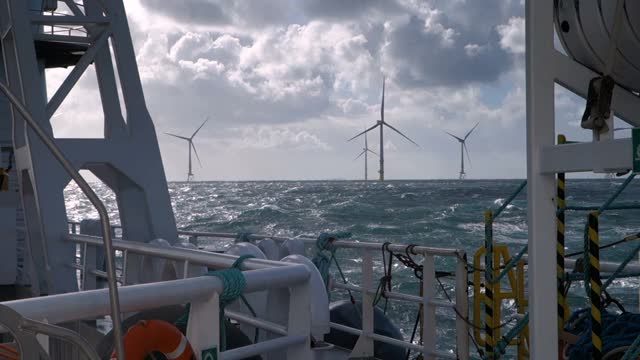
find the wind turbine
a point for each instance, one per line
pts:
(463, 149)
(191, 146)
(381, 123)
(365, 152)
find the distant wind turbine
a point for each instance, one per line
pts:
(463, 149)
(365, 152)
(191, 146)
(381, 123)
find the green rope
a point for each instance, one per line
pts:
(633, 352)
(233, 286)
(326, 255)
(511, 334)
(511, 264)
(621, 267)
(510, 199)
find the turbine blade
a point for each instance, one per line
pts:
(453, 136)
(401, 134)
(364, 132)
(205, 121)
(178, 136)
(384, 80)
(358, 157)
(464, 145)
(196, 152)
(373, 152)
(470, 131)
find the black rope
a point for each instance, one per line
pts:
(625, 239)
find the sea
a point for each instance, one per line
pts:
(437, 213)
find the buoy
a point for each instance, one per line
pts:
(149, 336)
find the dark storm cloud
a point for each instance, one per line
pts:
(419, 58)
(198, 11)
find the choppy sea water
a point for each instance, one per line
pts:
(433, 213)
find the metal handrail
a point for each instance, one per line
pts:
(97, 203)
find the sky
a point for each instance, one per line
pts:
(285, 83)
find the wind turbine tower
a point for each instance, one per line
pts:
(365, 152)
(191, 146)
(463, 149)
(382, 123)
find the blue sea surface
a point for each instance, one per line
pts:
(442, 213)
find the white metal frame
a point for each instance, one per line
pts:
(547, 67)
(364, 347)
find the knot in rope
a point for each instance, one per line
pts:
(243, 237)
(325, 254)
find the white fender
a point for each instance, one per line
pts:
(193, 270)
(319, 298)
(270, 249)
(293, 247)
(157, 269)
(278, 305)
(257, 300)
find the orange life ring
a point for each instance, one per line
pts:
(149, 336)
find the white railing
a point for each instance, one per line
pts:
(459, 307)
(201, 292)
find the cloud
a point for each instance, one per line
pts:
(279, 137)
(197, 11)
(512, 36)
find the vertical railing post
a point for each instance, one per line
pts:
(89, 280)
(203, 327)
(125, 257)
(84, 267)
(300, 320)
(462, 307)
(364, 345)
(428, 308)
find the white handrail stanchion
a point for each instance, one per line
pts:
(462, 307)
(203, 328)
(364, 345)
(428, 309)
